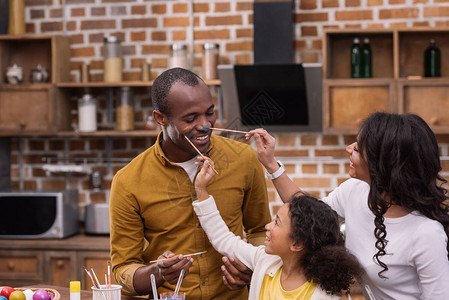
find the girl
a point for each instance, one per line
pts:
(395, 209)
(303, 257)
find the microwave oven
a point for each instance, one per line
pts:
(38, 215)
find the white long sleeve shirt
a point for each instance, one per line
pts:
(253, 257)
(418, 266)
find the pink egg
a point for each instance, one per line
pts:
(41, 295)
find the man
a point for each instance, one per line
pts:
(150, 206)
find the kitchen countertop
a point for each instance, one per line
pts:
(79, 241)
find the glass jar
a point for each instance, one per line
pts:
(112, 59)
(125, 109)
(178, 56)
(151, 123)
(210, 61)
(16, 17)
(87, 113)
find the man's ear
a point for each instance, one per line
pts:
(160, 117)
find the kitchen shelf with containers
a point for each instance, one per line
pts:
(35, 90)
(108, 87)
(30, 67)
(398, 81)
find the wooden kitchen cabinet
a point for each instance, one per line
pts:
(348, 102)
(21, 267)
(397, 84)
(29, 108)
(53, 262)
(98, 260)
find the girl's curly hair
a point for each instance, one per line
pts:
(402, 156)
(326, 261)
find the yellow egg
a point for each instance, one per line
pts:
(17, 295)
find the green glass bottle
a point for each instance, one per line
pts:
(367, 66)
(432, 61)
(356, 59)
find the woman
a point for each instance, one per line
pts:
(303, 258)
(396, 218)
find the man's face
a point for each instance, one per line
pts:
(191, 115)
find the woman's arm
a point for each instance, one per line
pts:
(265, 144)
(429, 255)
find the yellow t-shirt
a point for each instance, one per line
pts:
(271, 289)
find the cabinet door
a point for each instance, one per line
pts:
(98, 260)
(21, 267)
(348, 102)
(25, 109)
(429, 99)
(60, 267)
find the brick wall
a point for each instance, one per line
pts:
(317, 162)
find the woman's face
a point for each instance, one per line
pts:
(357, 166)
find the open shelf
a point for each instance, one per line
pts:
(398, 56)
(119, 84)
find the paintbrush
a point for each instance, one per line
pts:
(204, 158)
(193, 254)
(229, 130)
(91, 278)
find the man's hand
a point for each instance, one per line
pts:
(235, 274)
(171, 267)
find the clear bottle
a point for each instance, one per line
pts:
(125, 109)
(356, 59)
(178, 56)
(367, 70)
(432, 61)
(210, 61)
(112, 59)
(87, 113)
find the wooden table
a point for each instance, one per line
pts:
(85, 295)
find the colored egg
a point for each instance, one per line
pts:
(3, 298)
(28, 294)
(6, 291)
(17, 295)
(41, 295)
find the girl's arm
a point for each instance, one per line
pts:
(221, 238)
(265, 144)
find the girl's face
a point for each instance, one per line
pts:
(357, 166)
(278, 239)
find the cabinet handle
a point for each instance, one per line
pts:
(11, 265)
(60, 263)
(22, 124)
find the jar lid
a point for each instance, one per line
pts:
(210, 46)
(14, 67)
(176, 47)
(111, 39)
(86, 98)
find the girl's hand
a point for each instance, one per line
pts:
(203, 177)
(265, 144)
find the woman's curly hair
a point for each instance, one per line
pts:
(402, 156)
(326, 261)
